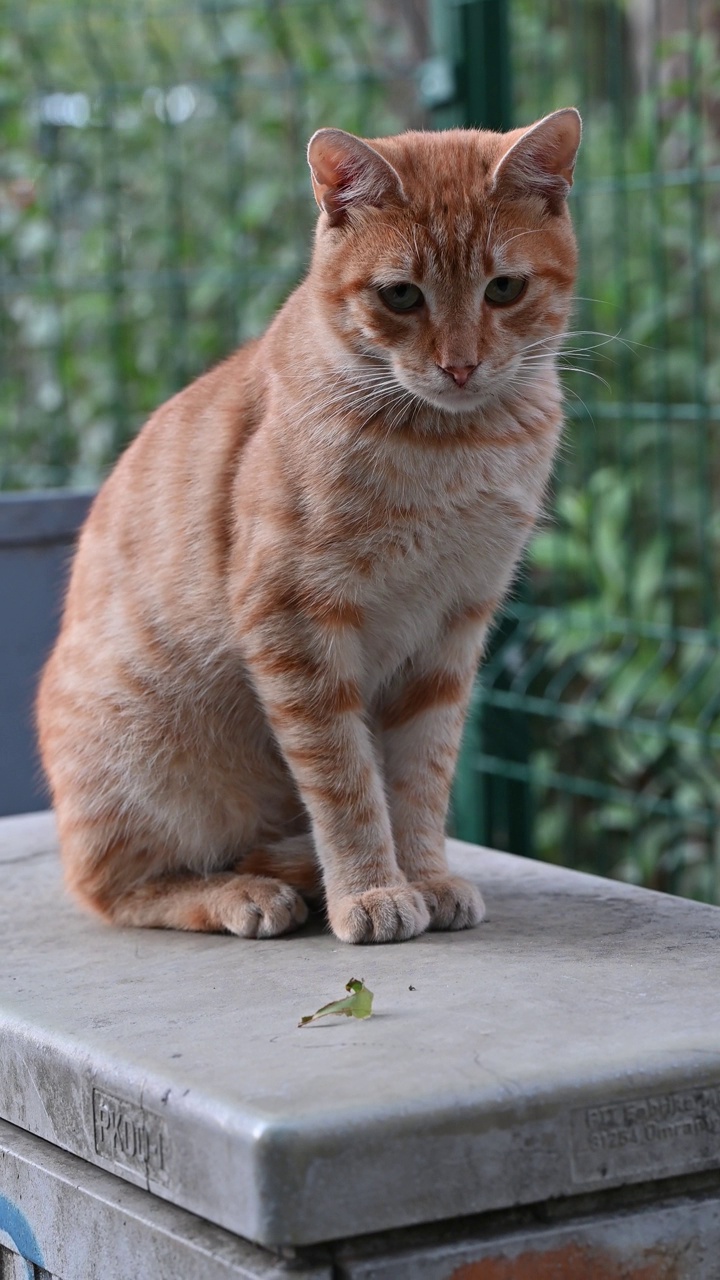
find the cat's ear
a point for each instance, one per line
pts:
(542, 158)
(346, 172)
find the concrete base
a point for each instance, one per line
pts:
(568, 1045)
(62, 1219)
(80, 1223)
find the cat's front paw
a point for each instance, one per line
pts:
(391, 914)
(453, 903)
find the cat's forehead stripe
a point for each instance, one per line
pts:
(460, 229)
(445, 250)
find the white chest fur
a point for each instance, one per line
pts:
(455, 544)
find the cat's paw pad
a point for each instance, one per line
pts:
(391, 914)
(258, 907)
(453, 903)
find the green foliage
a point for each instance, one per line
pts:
(647, 733)
(619, 615)
(155, 206)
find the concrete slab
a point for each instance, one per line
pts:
(84, 1224)
(570, 1043)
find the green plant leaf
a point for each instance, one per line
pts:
(357, 1005)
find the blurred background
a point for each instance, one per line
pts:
(155, 209)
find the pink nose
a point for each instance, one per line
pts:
(459, 372)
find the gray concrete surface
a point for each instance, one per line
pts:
(569, 1044)
(89, 1225)
(86, 1224)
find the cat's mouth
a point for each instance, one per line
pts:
(442, 392)
(447, 395)
(460, 399)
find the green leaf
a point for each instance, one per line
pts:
(357, 1005)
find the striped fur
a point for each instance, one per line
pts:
(280, 597)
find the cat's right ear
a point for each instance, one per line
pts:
(346, 172)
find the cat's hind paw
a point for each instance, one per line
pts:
(391, 914)
(453, 903)
(259, 907)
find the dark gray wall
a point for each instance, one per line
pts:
(37, 534)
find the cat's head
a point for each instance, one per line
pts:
(441, 257)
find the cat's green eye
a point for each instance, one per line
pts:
(504, 289)
(402, 297)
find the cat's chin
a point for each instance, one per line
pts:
(453, 402)
(448, 399)
(463, 402)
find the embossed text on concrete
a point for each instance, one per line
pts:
(129, 1135)
(655, 1134)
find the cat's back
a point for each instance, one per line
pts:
(157, 536)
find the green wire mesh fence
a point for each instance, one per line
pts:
(155, 205)
(597, 726)
(155, 209)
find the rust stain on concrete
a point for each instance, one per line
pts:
(575, 1262)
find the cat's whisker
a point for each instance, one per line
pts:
(607, 338)
(571, 392)
(593, 349)
(488, 235)
(356, 375)
(402, 398)
(380, 409)
(418, 406)
(603, 302)
(519, 382)
(335, 401)
(538, 362)
(405, 405)
(355, 385)
(575, 353)
(571, 368)
(529, 231)
(559, 340)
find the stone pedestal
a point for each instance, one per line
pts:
(543, 1091)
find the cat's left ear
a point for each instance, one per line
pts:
(347, 172)
(542, 158)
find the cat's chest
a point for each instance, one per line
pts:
(425, 563)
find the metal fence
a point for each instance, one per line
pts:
(154, 197)
(154, 210)
(597, 721)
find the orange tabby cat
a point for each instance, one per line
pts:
(280, 597)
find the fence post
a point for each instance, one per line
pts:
(484, 69)
(472, 79)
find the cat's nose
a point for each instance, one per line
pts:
(458, 372)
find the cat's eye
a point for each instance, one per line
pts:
(504, 289)
(402, 297)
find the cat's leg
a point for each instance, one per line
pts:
(307, 672)
(129, 883)
(422, 721)
(152, 837)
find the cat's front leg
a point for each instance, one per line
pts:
(422, 721)
(308, 678)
